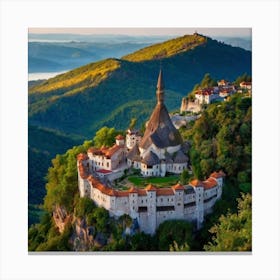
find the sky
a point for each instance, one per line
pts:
(228, 32)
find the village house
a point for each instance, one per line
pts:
(245, 85)
(133, 137)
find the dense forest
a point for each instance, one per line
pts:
(221, 139)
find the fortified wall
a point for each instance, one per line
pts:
(151, 206)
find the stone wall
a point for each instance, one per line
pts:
(152, 206)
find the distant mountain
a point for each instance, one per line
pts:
(245, 43)
(42, 65)
(59, 56)
(107, 39)
(82, 100)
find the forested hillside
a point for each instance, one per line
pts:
(43, 145)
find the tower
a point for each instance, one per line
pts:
(160, 131)
(160, 88)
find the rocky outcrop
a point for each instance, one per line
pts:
(184, 105)
(82, 238)
(85, 237)
(61, 217)
(191, 106)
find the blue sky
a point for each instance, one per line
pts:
(230, 32)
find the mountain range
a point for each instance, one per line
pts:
(110, 92)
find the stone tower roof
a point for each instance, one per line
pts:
(180, 157)
(134, 153)
(160, 130)
(151, 159)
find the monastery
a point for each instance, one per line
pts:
(160, 150)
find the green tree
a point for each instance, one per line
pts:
(207, 166)
(184, 177)
(105, 136)
(170, 231)
(176, 248)
(62, 179)
(83, 207)
(207, 81)
(142, 242)
(234, 231)
(243, 78)
(132, 123)
(100, 218)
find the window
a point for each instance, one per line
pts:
(107, 164)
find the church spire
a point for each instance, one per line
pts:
(160, 88)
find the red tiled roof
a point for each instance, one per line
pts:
(209, 183)
(141, 192)
(205, 91)
(91, 150)
(103, 148)
(178, 187)
(98, 185)
(104, 171)
(105, 151)
(82, 156)
(165, 191)
(246, 83)
(196, 183)
(150, 187)
(122, 193)
(218, 174)
(119, 137)
(109, 153)
(133, 190)
(83, 170)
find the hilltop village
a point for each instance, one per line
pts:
(208, 95)
(159, 151)
(191, 107)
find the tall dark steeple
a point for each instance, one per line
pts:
(160, 130)
(160, 88)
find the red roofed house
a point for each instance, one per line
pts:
(108, 158)
(246, 85)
